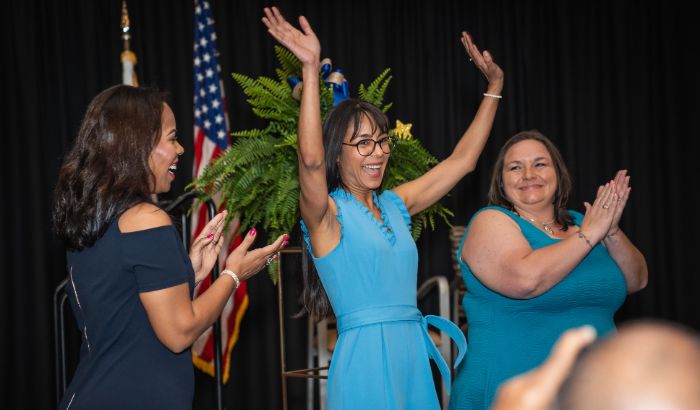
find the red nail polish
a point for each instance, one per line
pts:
(252, 232)
(284, 243)
(286, 236)
(211, 235)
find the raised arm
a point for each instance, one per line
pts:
(627, 257)
(304, 44)
(426, 190)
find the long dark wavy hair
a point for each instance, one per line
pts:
(497, 195)
(107, 171)
(344, 116)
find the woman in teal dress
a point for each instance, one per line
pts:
(534, 269)
(360, 236)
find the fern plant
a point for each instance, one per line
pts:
(257, 176)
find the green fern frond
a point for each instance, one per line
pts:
(290, 64)
(374, 93)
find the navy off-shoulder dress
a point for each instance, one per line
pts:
(122, 364)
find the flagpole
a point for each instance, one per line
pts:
(128, 57)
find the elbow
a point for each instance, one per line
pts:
(524, 290)
(311, 162)
(641, 283)
(177, 344)
(524, 286)
(176, 341)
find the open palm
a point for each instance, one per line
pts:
(304, 45)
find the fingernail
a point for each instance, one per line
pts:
(252, 232)
(285, 243)
(286, 236)
(274, 256)
(211, 235)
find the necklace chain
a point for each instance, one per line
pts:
(547, 226)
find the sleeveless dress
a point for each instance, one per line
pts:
(511, 336)
(381, 359)
(123, 364)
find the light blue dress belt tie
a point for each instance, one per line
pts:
(383, 314)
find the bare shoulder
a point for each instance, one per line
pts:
(143, 216)
(491, 219)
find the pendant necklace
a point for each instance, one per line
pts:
(547, 226)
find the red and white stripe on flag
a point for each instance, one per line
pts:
(210, 140)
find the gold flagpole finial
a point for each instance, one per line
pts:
(127, 57)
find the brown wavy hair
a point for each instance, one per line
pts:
(497, 195)
(106, 172)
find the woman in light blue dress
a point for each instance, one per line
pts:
(534, 268)
(360, 236)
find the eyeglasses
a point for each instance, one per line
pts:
(366, 147)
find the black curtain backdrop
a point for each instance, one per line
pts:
(613, 83)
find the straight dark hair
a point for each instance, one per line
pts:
(343, 117)
(107, 171)
(498, 197)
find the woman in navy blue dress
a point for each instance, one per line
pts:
(131, 281)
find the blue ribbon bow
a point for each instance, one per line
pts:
(333, 79)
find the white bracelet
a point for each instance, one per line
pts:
(232, 275)
(492, 95)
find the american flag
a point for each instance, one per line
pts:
(210, 139)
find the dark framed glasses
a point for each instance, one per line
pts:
(367, 146)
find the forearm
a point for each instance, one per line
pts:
(469, 147)
(541, 269)
(310, 140)
(629, 259)
(424, 191)
(208, 307)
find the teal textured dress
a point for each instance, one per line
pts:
(381, 359)
(510, 336)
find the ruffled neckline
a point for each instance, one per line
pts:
(385, 226)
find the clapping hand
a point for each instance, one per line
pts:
(622, 185)
(599, 215)
(537, 389)
(246, 263)
(204, 251)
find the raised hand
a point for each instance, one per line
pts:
(537, 389)
(599, 216)
(247, 263)
(484, 62)
(304, 44)
(204, 251)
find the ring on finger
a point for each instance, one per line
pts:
(268, 261)
(606, 206)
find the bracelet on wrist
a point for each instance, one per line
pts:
(233, 276)
(493, 95)
(583, 236)
(610, 235)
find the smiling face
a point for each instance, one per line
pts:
(164, 156)
(357, 172)
(529, 175)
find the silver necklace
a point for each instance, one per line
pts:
(547, 226)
